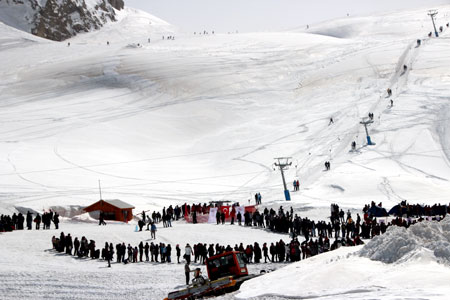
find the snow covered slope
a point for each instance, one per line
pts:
(201, 117)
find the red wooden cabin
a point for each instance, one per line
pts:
(116, 210)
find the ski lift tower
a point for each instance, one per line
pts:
(283, 163)
(432, 14)
(366, 123)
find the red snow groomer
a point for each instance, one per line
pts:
(226, 272)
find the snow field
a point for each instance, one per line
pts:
(201, 118)
(30, 269)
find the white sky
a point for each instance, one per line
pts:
(265, 15)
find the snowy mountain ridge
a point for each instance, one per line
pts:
(58, 19)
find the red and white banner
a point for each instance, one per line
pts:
(239, 209)
(227, 210)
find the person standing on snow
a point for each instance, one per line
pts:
(232, 214)
(56, 220)
(153, 231)
(177, 248)
(141, 251)
(169, 253)
(218, 217)
(37, 220)
(29, 220)
(187, 253)
(146, 251)
(187, 272)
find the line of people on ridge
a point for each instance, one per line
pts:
(414, 210)
(16, 221)
(275, 252)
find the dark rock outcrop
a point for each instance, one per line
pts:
(61, 19)
(117, 4)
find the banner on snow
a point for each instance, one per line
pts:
(212, 215)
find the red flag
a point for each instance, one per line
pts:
(226, 210)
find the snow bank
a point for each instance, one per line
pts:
(84, 218)
(428, 239)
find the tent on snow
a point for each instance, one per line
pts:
(397, 210)
(377, 211)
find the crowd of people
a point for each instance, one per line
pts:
(124, 253)
(162, 253)
(417, 210)
(16, 221)
(318, 238)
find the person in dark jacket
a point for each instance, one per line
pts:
(29, 220)
(168, 253)
(257, 252)
(56, 220)
(141, 250)
(178, 249)
(69, 244)
(146, 251)
(218, 217)
(76, 246)
(20, 220)
(265, 250)
(187, 272)
(37, 220)
(110, 254)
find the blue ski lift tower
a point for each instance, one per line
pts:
(432, 14)
(366, 123)
(283, 163)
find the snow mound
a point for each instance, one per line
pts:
(86, 217)
(427, 240)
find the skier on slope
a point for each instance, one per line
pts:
(389, 92)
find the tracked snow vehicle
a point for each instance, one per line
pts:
(226, 272)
